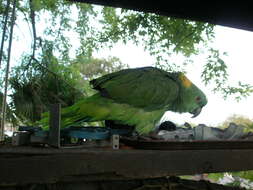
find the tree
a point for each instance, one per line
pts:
(60, 30)
(41, 83)
(44, 82)
(10, 117)
(246, 122)
(96, 27)
(92, 68)
(164, 37)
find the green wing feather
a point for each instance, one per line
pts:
(148, 88)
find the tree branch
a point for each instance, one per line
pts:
(32, 16)
(4, 30)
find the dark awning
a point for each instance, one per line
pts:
(236, 14)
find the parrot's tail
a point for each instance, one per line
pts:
(93, 108)
(98, 108)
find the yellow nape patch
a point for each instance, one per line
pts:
(185, 81)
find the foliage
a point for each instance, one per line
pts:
(164, 37)
(242, 179)
(215, 176)
(247, 123)
(215, 72)
(85, 28)
(62, 29)
(36, 84)
(34, 88)
(159, 35)
(92, 68)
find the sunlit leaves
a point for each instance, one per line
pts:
(91, 68)
(215, 69)
(215, 74)
(158, 34)
(43, 82)
(239, 91)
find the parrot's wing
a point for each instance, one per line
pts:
(148, 88)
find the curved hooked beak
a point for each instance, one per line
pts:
(196, 112)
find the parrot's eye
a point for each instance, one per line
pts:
(198, 99)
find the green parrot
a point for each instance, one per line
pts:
(136, 97)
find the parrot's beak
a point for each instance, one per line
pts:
(196, 112)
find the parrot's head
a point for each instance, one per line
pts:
(191, 99)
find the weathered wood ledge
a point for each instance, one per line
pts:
(29, 165)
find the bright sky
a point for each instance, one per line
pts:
(237, 43)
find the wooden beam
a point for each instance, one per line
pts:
(235, 14)
(173, 182)
(47, 165)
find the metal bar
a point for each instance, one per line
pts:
(55, 125)
(115, 141)
(7, 73)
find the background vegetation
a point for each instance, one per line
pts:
(65, 35)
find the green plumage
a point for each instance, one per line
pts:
(137, 97)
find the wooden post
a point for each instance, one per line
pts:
(55, 125)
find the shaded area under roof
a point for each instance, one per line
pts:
(235, 14)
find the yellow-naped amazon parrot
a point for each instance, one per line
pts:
(136, 97)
